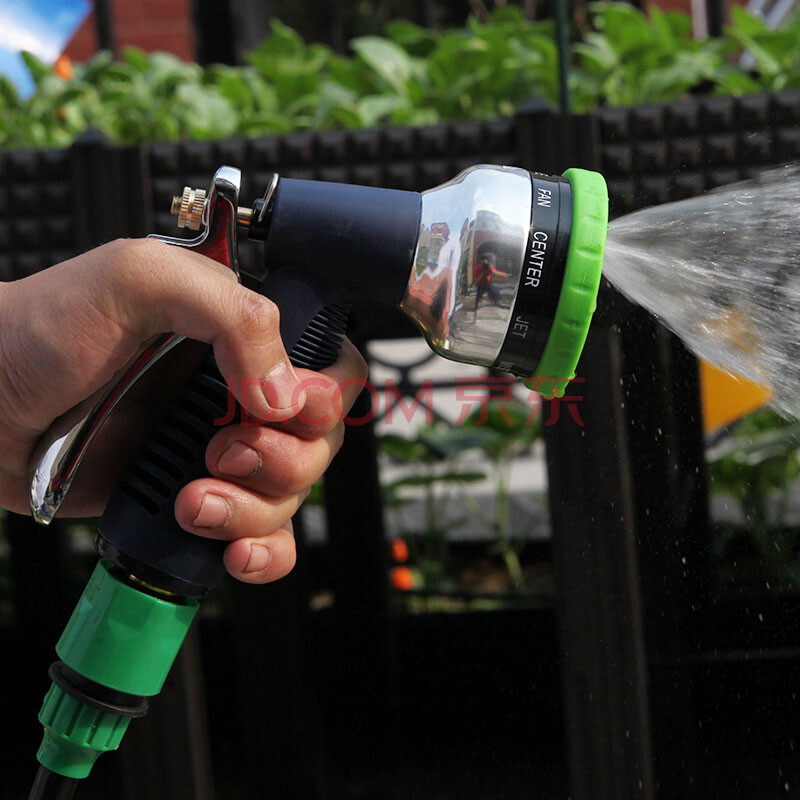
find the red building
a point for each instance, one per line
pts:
(148, 24)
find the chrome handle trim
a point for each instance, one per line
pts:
(59, 454)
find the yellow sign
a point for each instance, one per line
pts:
(727, 397)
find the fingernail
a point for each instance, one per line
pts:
(239, 461)
(282, 387)
(214, 512)
(260, 557)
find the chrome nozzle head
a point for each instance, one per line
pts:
(507, 268)
(477, 255)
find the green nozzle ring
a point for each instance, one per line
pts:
(578, 298)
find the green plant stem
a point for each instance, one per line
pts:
(507, 550)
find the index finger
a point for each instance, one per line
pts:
(330, 394)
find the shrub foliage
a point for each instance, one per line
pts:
(410, 76)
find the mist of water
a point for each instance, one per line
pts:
(723, 272)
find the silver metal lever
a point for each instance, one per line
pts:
(62, 448)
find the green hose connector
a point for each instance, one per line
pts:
(122, 639)
(75, 733)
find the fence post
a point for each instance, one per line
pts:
(601, 635)
(274, 685)
(358, 550)
(111, 186)
(624, 489)
(600, 615)
(551, 142)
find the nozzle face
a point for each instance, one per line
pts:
(469, 260)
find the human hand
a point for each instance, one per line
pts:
(65, 332)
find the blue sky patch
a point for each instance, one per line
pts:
(42, 26)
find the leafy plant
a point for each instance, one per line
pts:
(500, 431)
(507, 432)
(775, 54)
(431, 460)
(631, 60)
(410, 76)
(757, 464)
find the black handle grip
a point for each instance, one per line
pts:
(138, 531)
(313, 317)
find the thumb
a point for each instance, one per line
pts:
(160, 287)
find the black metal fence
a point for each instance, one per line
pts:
(597, 698)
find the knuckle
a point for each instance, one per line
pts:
(316, 430)
(134, 252)
(281, 482)
(119, 255)
(128, 261)
(283, 474)
(295, 477)
(259, 314)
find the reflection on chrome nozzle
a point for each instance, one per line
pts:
(468, 262)
(489, 266)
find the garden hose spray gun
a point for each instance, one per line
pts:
(498, 267)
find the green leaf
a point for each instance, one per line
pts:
(663, 30)
(452, 441)
(203, 113)
(266, 122)
(234, 88)
(8, 94)
(765, 61)
(264, 97)
(137, 58)
(503, 15)
(736, 81)
(597, 53)
(414, 39)
(454, 477)
(756, 448)
(37, 68)
(94, 68)
(679, 21)
(387, 59)
(625, 26)
(673, 80)
(283, 40)
(745, 22)
(375, 109)
(407, 450)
